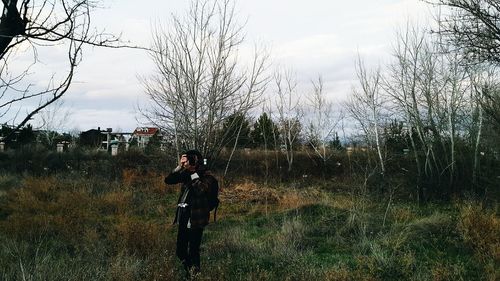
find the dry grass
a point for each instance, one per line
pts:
(402, 214)
(121, 231)
(480, 229)
(115, 202)
(124, 267)
(136, 178)
(295, 199)
(342, 201)
(48, 207)
(249, 192)
(136, 236)
(344, 274)
(445, 272)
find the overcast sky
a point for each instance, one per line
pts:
(315, 37)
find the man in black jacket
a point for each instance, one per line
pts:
(193, 210)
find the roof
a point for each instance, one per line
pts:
(145, 131)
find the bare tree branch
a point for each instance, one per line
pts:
(200, 81)
(473, 27)
(28, 24)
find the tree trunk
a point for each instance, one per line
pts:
(234, 148)
(475, 170)
(11, 25)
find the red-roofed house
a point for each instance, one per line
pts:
(144, 134)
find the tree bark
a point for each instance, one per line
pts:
(11, 25)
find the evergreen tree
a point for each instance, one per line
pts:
(397, 138)
(335, 143)
(154, 144)
(231, 131)
(264, 132)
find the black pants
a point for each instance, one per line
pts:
(188, 246)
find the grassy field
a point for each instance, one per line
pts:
(85, 228)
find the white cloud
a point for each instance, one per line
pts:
(312, 47)
(86, 119)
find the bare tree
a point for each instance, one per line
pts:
(484, 81)
(366, 106)
(402, 86)
(289, 112)
(30, 25)
(200, 79)
(473, 27)
(53, 119)
(322, 121)
(429, 86)
(487, 89)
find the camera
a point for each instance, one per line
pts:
(192, 159)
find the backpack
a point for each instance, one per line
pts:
(213, 195)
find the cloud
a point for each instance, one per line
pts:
(86, 119)
(317, 37)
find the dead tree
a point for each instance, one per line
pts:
(366, 105)
(289, 112)
(401, 84)
(52, 120)
(472, 27)
(429, 87)
(200, 80)
(484, 81)
(323, 121)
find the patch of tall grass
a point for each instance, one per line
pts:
(480, 230)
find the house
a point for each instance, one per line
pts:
(92, 138)
(144, 134)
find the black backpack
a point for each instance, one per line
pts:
(213, 195)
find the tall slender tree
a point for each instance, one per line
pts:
(322, 121)
(290, 112)
(366, 105)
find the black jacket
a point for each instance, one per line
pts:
(198, 194)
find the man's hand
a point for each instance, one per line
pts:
(183, 162)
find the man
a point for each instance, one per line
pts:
(193, 211)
